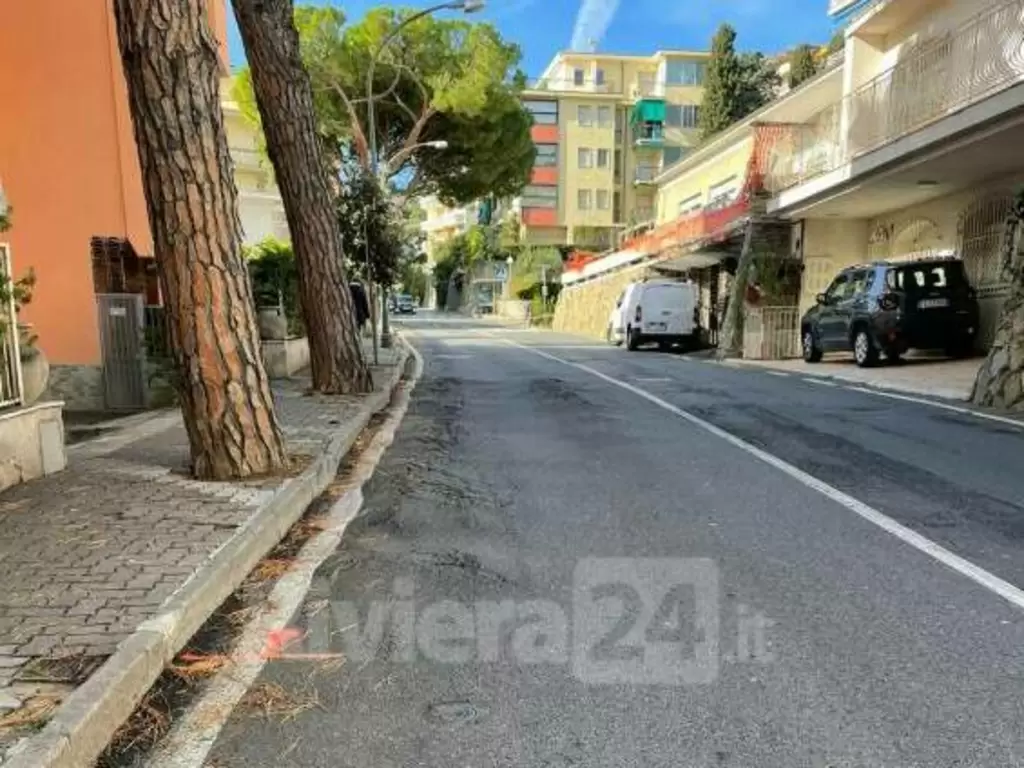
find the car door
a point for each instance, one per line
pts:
(830, 330)
(851, 303)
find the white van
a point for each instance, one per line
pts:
(662, 311)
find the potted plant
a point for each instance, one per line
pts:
(35, 367)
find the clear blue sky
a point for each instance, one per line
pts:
(544, 27)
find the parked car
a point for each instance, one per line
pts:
(404, 305)
(661, 311)
(890, 307)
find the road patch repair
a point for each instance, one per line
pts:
(116, 563)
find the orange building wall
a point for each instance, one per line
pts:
(68, 161)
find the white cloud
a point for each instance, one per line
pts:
(592, 22)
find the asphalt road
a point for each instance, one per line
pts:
(588, 576)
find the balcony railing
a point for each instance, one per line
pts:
(647, 87)
(947, 74)
(649, 134)
(646, 174)
(573, 85)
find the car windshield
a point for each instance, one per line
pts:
(915, 277)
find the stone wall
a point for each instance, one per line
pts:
(584, 308)
(284, 357)
(79, 386)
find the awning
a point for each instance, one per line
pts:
(649, 111)
(695, 260)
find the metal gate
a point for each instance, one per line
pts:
(981, 231)
(121, 339)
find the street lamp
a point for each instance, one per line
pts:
(466, 6)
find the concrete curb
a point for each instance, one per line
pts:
(88, 718)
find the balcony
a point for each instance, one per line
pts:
(964, 67)
(647, 88)
(645, 174)
(576, 85)
(649, 135)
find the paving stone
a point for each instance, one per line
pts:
(89, 553)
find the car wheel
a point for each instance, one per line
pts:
(865, 353)
(812, 352)
(632, 339)
(609, 336)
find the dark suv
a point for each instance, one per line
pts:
(890, 307)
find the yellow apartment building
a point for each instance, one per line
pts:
(605, 128)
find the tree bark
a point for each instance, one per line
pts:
(285, 100)
(730, 340)
(1000, 382)
(171, 67)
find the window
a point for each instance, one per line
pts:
(858, 282)
(547, 155)
(685, 72)
(691, 204)
(672, 155)
(544, 112)
(618, 163)
(539, 197)
(682, 115)
(604, 117)
(602, 158)
(583, 199)
(585, 157)
(723, 193)
(585, 116)
(839, 289)
(577, 76)
(617, 203)
(602, 199)
(599, 77)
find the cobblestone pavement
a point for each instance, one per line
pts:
(89, 553)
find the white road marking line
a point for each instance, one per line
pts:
(652, 379)
(964, 567)
(944, 406)
(819, 382)
(780, 374)
(194, 734)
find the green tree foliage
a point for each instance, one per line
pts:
(372, 228)
(440, 79)
(529, 269)
(275, 279)
(802, 66)
(721, 104)
(737, 84)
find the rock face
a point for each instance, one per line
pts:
(1000, 382)
(584, 308)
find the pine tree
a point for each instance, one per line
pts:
(801, 65)
(723, 84)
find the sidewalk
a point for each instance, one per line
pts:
(89, 554)
(916, 375)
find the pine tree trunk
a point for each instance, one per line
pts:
(171, 67)
(1000, 382)
(730, 340)
(285, 100)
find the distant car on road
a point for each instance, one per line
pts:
(404, 304)
(660, 311)
(889, 307)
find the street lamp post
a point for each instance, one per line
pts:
(466, 6)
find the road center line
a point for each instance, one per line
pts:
(936, 551)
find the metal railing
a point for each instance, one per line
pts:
(771, 333)
(954, 70)
(646, 174)
(573, 85)
(11, 386)
(653, 132)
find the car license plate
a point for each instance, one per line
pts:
(656, 326)
(932, 303)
